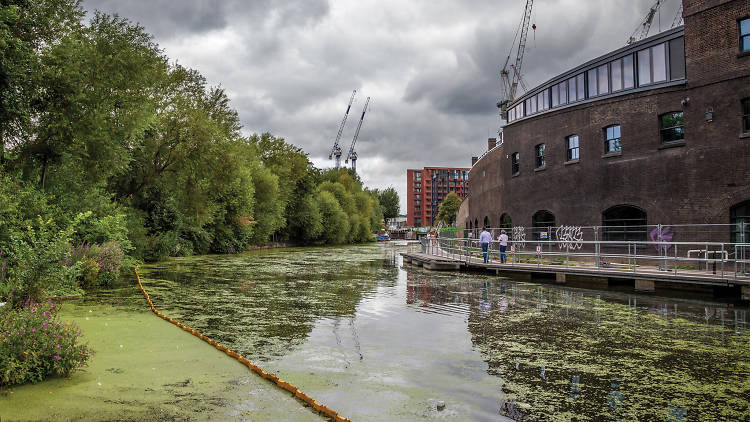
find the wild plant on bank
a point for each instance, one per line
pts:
(35, 344)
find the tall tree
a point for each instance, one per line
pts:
(449, 208)
(388, 199)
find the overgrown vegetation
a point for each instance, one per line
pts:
(110, 154)
(35, 344)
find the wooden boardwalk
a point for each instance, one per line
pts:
(646, 278)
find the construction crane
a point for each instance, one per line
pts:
(677, 21)
(642, 31)
(511, 73)
(353, 154)
(336, 150)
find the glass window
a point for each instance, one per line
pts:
(602, 75)
(545, 99)
(514, 163)
(616, 75)
(539, 155)
(672, 127)
(746, 115)
(644, 67)
(592, 82)
(612, 139)
(745, 34)
(555, 96)
(677, 58)
(659, 61)
(580, 87)
(628, 81)
(572, 90)
(573, 151)
(563, 92)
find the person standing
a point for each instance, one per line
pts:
(503, 239)
(485, 238)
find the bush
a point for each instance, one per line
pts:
(35, 344)
(95, 265)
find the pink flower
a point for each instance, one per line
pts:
(58, 346)
(57, 357)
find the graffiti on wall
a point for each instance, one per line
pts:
(569, 237)
(662, 234)
(518, 237)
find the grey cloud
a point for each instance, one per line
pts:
(432, 67)
(168, 19)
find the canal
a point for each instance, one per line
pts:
(377, 341)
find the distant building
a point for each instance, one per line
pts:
(396, 223)
(426, 189)
(657, 131)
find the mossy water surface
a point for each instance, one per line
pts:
(380, 342)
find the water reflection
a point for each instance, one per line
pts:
(380, 341)
(602, 355)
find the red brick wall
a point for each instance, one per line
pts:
(697, 182)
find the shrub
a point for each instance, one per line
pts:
(35, 344)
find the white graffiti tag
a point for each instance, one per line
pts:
(518, 237)
(569, 237)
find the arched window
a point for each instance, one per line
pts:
(486, 221)
(624, 222)
(739, 217)
(542, 223)
(505, 221)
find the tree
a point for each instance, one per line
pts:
(449, 208)
(389, 202)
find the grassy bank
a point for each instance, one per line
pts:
(147, 369)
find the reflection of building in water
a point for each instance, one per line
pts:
(558, 349)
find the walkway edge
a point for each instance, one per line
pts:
(320, 408)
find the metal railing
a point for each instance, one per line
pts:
(723, 261)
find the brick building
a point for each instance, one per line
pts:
(655, 132)
(426, 189)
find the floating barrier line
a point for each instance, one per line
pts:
(325, 410)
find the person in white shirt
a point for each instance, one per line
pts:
(503, 239)
(485, 238)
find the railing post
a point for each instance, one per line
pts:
(675, 259)
(567, 253)
(722, 262)
(597, 249)
(635, 256)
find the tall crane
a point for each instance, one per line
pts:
(353, 154)
(642, 31)
(511, 73)
(336, 150)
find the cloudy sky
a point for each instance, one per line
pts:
(430, 66)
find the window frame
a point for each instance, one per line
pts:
(539, 161)
(743, 38)
(515, 163)
(745, 110)
(618, 149)
(663, 130)
(568, 149)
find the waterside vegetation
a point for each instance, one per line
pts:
(111, 154)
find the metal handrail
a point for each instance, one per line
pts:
(725, 255)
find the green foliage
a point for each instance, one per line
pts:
(35, 344)
(333, 219)
(138, 159)
(389, 202)
(449, 208)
